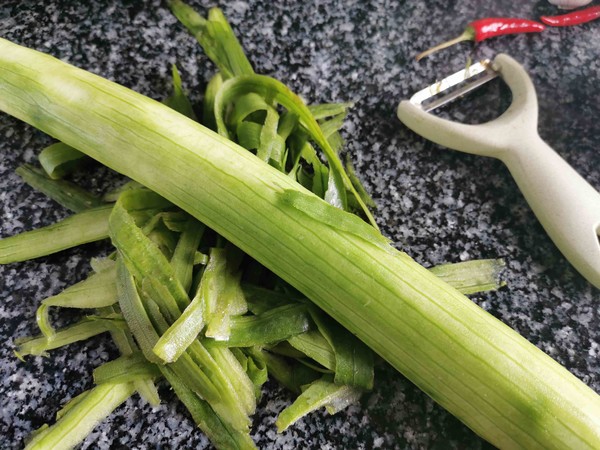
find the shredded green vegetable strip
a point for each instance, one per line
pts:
(271, 326)
(126, 345)
(216, 38)
(353, 359)
(64, 192)
(84, 227)
(178, 100)
(214, 295)
(78, 420)
(97, 291)
(320, 393)
(84, 329)
(126, 369)
(60, 159)
(470, 277)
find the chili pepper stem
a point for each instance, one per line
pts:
(468, 35)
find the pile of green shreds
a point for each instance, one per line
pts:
(185, 305)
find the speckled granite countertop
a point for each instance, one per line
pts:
(439, 206)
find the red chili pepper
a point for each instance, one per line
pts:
(573, 18)
(482, 29)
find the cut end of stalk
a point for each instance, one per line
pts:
(468, 35)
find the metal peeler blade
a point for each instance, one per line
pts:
(464, 81)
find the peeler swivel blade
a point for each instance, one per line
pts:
(455, 86)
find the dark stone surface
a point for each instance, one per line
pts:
(439, 206)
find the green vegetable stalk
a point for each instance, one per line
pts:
(80, 416)
(500, 385)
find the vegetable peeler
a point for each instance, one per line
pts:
(566, 205)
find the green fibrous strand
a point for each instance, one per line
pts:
(90, 225)
(96, 291)
(470, 277)
(113, 194)
(196, 367)
(63, 192)
(127, 368)
(216, 37)
(84, 329)
(269, 327)
(353, 359)
(60, 159)
(84, 227)
(291, 374)
(142, 256)
(213, 353)
(320, 393)
(255, 365)
(184, 256)
(124, 341)
(221, 292)
(178, 99)
(315, 346)
(80, 416)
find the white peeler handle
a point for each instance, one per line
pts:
(566, 205)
